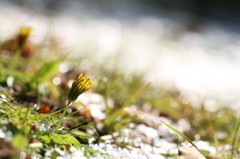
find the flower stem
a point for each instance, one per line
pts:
(63, 115)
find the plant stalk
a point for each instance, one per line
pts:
(63, 115)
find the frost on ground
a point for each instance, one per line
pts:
(107, 151)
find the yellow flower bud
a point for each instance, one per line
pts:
(79, 86)
(23, 35)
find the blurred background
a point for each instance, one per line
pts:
(188, 45)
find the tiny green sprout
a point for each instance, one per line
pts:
(79, 86)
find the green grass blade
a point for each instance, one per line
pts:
(212, 131)
(45, 116)
(53, 113)
(129, 102)
(74, 112)
(26, 114)
(235, 135)
(71, 119)
(180, 134)
(44, 107)
(170, 155)
(134, 97)
(107, 109)
(125, 120)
